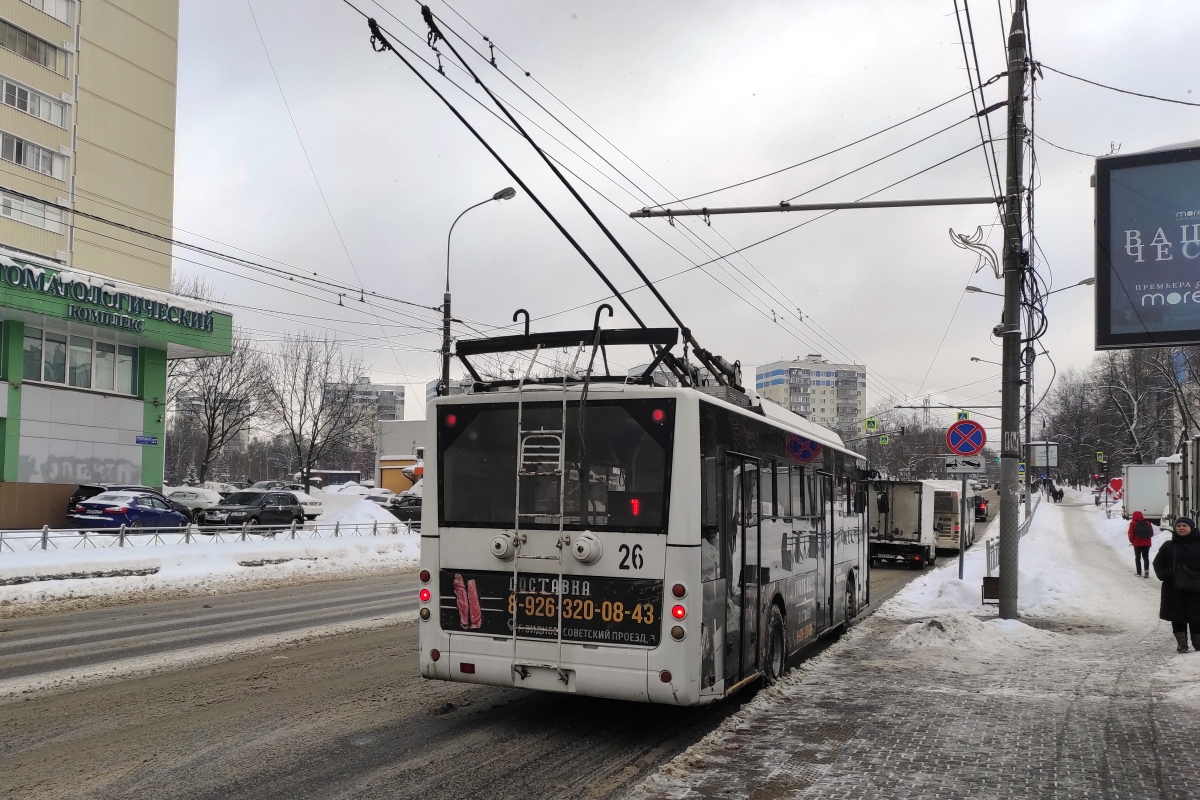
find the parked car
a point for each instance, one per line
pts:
(406, 508)
(381, 496)
(981, 509)
(269, 485)
(255, 508)
(110, 510)
(313, 507)
(86, 491)
(196, 500)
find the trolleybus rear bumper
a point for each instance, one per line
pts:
(620, 673)
(898, 552)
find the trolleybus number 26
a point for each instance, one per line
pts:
(615, 611)
(633, 556)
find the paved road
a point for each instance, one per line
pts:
(35, 645)
(342, 717)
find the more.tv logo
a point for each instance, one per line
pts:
(1168, 294)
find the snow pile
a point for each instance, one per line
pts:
(208, 566)
(349, 488)
(1049, 582)
(351, 508)
(956, 631)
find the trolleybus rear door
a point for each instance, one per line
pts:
(743, 614)
(825, 534)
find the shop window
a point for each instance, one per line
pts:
(54, 364)
(81, 362)
(32, 363)
(127, 369)
(106, 366)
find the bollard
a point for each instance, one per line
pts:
(187, 534)
(336, 527)
(293, 534)
(374, 527)
(121, 537)
(245, 525)
(45, 536)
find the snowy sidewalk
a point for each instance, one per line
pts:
(1085, 697)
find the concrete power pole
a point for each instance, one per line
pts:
(1014, 265)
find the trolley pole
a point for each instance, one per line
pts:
(1010, 414)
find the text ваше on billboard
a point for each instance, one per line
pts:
(1148, 248)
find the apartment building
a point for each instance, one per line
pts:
(829, 394)
(386, 399)
(87, 124)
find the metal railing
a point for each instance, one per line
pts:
(75, 539)
(993, 544)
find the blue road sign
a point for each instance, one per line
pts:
(966, 438)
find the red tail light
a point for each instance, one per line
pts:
(679, 590)
(424, 576)
(469, 669)
(80, 509)
(451, 420)
(664, 676)
(678, 612)
(635, 506)
(658, 415)
(425, 595)
(116, 510)
(434, 655)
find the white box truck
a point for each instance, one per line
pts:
(1146, 488)
(900, 522)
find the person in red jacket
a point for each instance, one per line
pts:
(1141, 536)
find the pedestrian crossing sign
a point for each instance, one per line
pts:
(1100, 456)
(872, 424)
(964, 415)
(1021, 468)
(885, 439)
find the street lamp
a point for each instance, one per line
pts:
(444, 387)
(977, 290)
(1084, 282)
(985, 361)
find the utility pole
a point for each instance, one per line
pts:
(1014, 265)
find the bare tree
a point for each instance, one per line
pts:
(220, 397)
(309, 392)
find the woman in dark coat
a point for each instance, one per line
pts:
(1180, 608)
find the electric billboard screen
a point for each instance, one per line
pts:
(1148, 249)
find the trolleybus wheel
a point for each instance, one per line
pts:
(851, 598)
(776, 647)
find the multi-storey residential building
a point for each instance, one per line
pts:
(833, 395)
(387, 399)
(87, 124)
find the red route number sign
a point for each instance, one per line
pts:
(966, 438)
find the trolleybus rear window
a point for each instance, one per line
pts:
(627, 456)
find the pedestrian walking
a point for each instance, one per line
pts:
(1141, 536)
(1177, 565)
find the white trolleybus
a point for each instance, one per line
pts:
(713, 536)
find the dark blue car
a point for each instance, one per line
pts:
(110, 510)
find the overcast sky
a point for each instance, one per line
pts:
(696, 95)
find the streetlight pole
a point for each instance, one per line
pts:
(444, 384)
(1014, 267)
